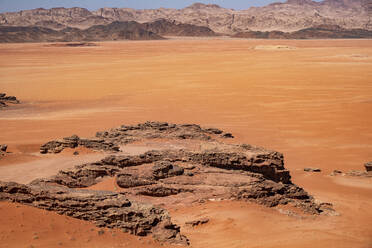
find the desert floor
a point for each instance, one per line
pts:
(311, 100)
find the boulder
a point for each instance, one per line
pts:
(368, 166)
(164, 169)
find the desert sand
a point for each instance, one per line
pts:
(311, 100)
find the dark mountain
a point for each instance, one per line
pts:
(114, 31)
(319, 32)
(172, 28)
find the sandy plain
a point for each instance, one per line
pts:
(311, 100)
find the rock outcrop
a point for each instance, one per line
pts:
(110, 140)
(240, 172)
(56, 146)
(105, 209)
(210, 170)
(288, 16)
(6, 100)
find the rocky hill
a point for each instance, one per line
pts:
(319, 32)
(289, 16)
(113, 31)
(128, 30)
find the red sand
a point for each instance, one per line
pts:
(313, 103)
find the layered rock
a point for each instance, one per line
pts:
(210, 170)
(240, 172)
(110, 140)
(289, 16)
(105, 209)
(56, 146)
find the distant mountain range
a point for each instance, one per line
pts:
(129, 30)
(300, 18)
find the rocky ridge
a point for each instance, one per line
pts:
(105, 209)
(117, 30)
(317, 32)
(289, 16)
(211, 170)
(110, 140)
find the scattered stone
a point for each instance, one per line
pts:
(368, 166)
(336, 173)
(312, 170)
(227, 135)
(3, 148)
(197, 222)
(6, 100)
(355, 173)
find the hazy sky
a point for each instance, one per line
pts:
(16, 5)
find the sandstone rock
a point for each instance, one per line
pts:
(312, 170)
(56, 146)
(130, 181)
(163, 169)
(213, 170)
(105, 209)
(6, 100)
(368, 166)
(161, 191)
(110, 140)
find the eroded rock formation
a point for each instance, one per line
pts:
(110, 140)
(105, 209)
(210, 169)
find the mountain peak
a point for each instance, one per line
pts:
(300, 2)
(197, 6)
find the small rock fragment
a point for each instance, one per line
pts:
(368, 166)
(3, 148)
(197, 222)
(312, 170)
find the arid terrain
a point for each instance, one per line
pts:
(310, 100)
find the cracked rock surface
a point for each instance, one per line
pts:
(210, 170)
